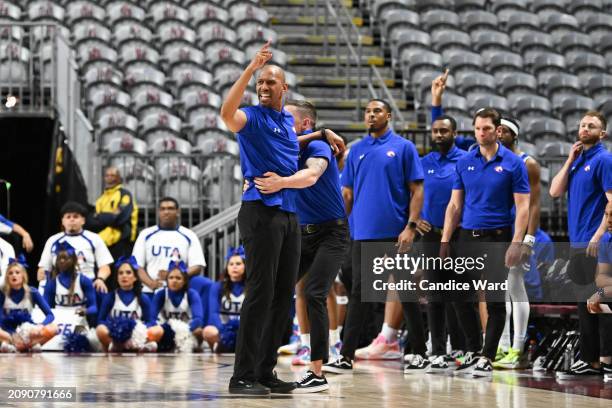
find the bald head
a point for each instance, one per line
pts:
(112, 177)
(271, 86)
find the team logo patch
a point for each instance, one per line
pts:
(499, 169)
(391, 153)
(431, 171)
(471, 168)
(587, 167)
(361, 156)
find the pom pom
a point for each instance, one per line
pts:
(121, 328)
(139, 336)
(15, 319)
(76, 342)
(24, 331)
(166, 343)
(183, 339)
(228, 334)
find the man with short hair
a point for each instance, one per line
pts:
(383, 192)
(93, 255)
(586, 175)
(116, 216)
(489, 181)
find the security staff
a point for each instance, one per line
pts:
(268, 224)
(489, 181)
(383, 191)
(587, 178)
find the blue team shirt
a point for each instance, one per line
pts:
(323, 201)
(605, 249)
(6, 222)
(439, 171)
(268, 143)
(489, 187)
(379, 170)
(589, 178)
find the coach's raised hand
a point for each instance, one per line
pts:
(438, 85)
(234, 118)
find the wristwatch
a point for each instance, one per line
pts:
(601, 292)
(412, 224)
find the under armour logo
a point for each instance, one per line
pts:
(471, 168)
(276, 130)
(430, 171)
(362, 156)
(499, 169)
(587, 168)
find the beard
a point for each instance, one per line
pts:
(444, 144)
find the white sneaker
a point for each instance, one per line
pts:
(417, 365)
(438, 365)
(408, 358)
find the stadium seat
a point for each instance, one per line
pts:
(476, 101)
(194, 97)
(118, 120)
(527, 40)
(90, 50)
(170, 30)
(255, 34)
(178, 52)
(558, 24)
(581, 62)
(509, 82)
(137, 51)
(525, 106)
(418, 60)
(522, 20)
(170, 144)
(247, 13)
(423, 6)
(128, 29)
(405, 38)
(105, 98)
(599, 85)
(380, 6)
(90, 29)
(393, 19)
(543, 127)
(483, 40)
(13, 73)
(528, 148)
(578, 6)
(469, 5)
(145, 97)
(479, 20)
(463, 61)
(105, 73)
(597, 25)
(10, 12)
(46, 11)
(182, 181)
(207, 13)
(469, 82)
(444, 40)
(138, 177)
(160, 125)
(502, 61)
(117, 141)
(214, 143)
(219, 53)
(558, 83)
(83, 9)
(572, 106)
(136, 75)
(440, 19)
(540, 62)
(124, 9)
(556, 5)
(571, 42)
(161, 11)
(498, 6)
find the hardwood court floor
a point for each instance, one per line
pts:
(172, 380)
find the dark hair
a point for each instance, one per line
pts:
(137, 288)
(305, 108)
(385, 103)
(183, 275)
(488, 113)
(600, 116)
(452, 121)
(73, 207)
(73, 272)
(171, 199)
(226, 281)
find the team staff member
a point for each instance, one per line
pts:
(489, 181)
(89, 248)
(268, 224)
(116, 216)
(320, 209)
(439, 173)
(383, 191)
(587, 178)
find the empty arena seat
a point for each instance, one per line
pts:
(116, 141)
(597, 25)
(526, 40)
(177, 52)
(76, 10)
(11, 12)
(540, 62)
(183, 75)
(164, 10)
(573, 42)
(558, 83)
(499, 6)
(278, 57)
(463, 61)
(599, 85)
(207, 13)
(181, 180)
(444, 40)
(406, 38)
(208, 32)
(123, 9)
(585, 62)
(13, 73)
(440, 19)
(380, 6)
(484, 100)
(195, 97)
(215, 143)
(169, 30)
(128, 29)
(541, 127)
(525, 106)
(550, 5)
(470, 82)
(509, 82)
(393, 19)
(419, 60)
(572, 106)
(555, 149)
(137, 50)
(502, 61)
(245, 13)
(145, 97)
(138, 177)
(479, 20)
(90, 50)
(578, 6)
(46, 10)
(108, 98)
(423, 6)
(483, 40)
(105, 73)
(136, 74)
(12, 33)
(255, 34)
(218, 53)
(118, 120)
(558, 23)
(469, 5)
(170, 144)
(90, 29)
(521, 21)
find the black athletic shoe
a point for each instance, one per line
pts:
(469, 362)
(311, 383)
(246, 387)
(340, 366)
(483, 368)
(579, 369)
(418, 364)
(277, 386)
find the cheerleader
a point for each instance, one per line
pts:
(125, 314)
(18, 299)
(225, 303)
(180, 310)
(69, 289)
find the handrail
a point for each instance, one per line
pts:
(217, 221)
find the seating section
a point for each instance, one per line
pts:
(154, 73)
(545, 61)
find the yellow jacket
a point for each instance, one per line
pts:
(116, 209)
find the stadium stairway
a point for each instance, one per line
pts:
(316, 72)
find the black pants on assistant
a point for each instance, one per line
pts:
(441, 316)
(475, 244)
(358, 310)
(271, 239)
(595, 329)
(323, 250)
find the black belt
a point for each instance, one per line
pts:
(487, 232)
(436, 230)
(312, 228)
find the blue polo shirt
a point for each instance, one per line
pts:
(323, 201)
(489, 187)
(268, 143)
(462, 142)
(378, 171)
(605, 249)
(439, 172)
(589, 178)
